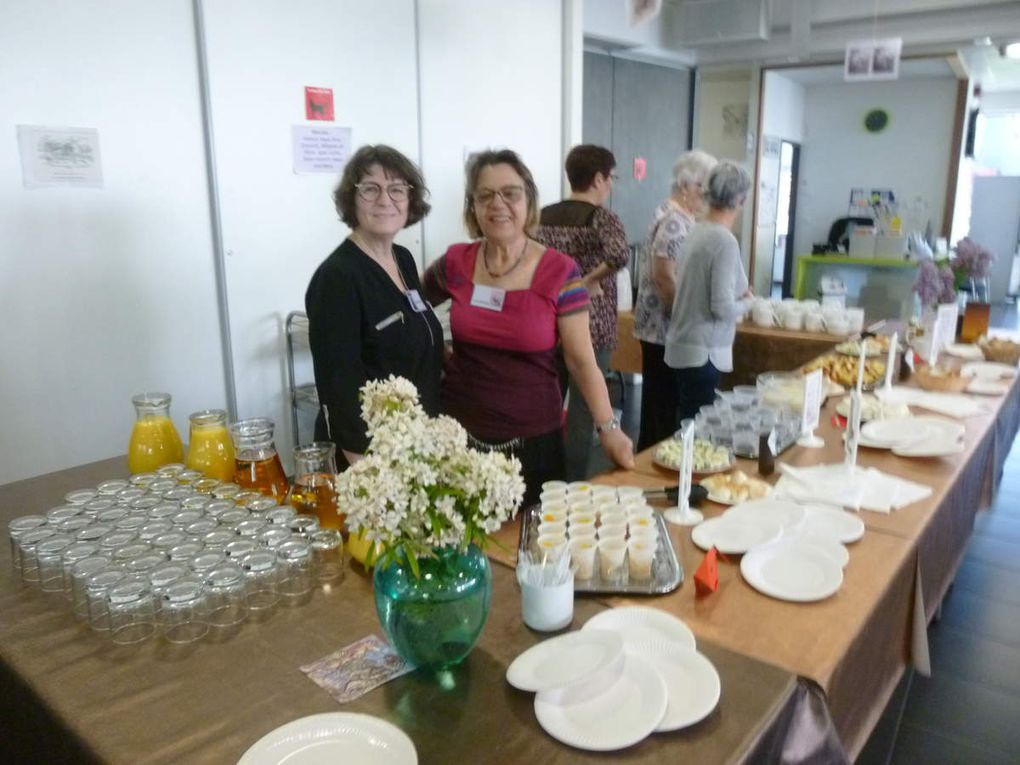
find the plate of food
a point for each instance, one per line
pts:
(842, 369)
(873, 408)
(877, 345)
(708, 458)
(733, 488)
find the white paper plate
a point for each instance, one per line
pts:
(784, 512)
(330, 738)
(566, 660)
(988, 370)
(641, 624)
(734, 536)
(835, 550)
(964, 351)
(985, 387)
(609, 712)
(692, 683)
(933, 448)
(910, 430)
(795, 572)
(832, 523)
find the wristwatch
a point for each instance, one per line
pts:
(613, 423)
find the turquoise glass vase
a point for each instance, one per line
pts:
(434, 620)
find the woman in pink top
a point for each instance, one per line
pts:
(512, 300)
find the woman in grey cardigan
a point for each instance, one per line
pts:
(712, 292)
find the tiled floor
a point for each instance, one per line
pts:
(968, 712)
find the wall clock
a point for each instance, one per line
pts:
(876, 120)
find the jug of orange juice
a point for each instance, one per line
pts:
(257, 466)
(210, 448)
(154, 439)
(314, 488)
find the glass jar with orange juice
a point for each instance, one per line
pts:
(210, 448)
(257, 466)
(314, 488)
(154, 439)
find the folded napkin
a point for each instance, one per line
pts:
(950, 404)
(856, 488)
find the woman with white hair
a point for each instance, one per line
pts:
(712, 292)
(657, 280)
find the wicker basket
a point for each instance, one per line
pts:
(1003, 351)
(946, 383)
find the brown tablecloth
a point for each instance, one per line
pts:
(762, 349)
(69, 695)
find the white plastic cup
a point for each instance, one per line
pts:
(552, 545)
(582, 556)
(639, 559)
(552, 528)
(648, 534)
(547, 609)
(552, 495)
(611, 557)
(580, 532)
(630, 492)
(560, 486)
(552, 516)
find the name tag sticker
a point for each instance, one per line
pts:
(489, 298)
(417, 304)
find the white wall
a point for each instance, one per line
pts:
(278, 226)
(106, 292)
(491, 76)
(783, 108)
(911, 156)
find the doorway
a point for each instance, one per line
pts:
(786, 212)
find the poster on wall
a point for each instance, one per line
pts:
(319, 104)
(59, 157)
(734, 119)
(873, 59)
(320, 149)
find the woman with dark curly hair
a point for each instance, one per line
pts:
(367, 318)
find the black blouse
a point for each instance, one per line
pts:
(362, 327)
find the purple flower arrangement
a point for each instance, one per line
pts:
(935, 283)
(972, 261)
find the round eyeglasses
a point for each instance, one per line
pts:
(370, 192)
(509, 194)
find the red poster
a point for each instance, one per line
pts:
(640, 168)
(319, 104)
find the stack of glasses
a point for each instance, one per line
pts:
(175, 553)
(738, 419)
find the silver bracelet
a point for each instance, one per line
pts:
(612, 424)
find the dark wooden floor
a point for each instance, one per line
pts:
(968, 711)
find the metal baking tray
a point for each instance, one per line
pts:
(667, 572)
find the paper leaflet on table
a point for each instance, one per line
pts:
(356, 669)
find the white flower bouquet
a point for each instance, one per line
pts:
(419, 486)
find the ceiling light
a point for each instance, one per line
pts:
(1012, 50)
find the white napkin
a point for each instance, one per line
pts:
(950, 404)
(856, 488)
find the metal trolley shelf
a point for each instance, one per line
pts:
(303, 396)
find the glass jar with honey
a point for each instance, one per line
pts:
(210, 448)
(257, 466)
(154, 439)
(314, 488)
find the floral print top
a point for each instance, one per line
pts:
(669, 228)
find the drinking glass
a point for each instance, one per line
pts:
(328, 552)
(132, 610)
(49, 555)
(182, 612)
(296, 574)
(96, 588)
(225, 592)
(26, 551)
(81, 571)
(73, 553)
(20, 526)
(261, 577)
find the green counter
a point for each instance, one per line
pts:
(882, 287)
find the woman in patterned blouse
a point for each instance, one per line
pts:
(583, 228)
(657, 278)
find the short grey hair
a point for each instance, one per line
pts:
(727, 186)
(692, 168)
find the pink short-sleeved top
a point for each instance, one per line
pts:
(501, 381)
